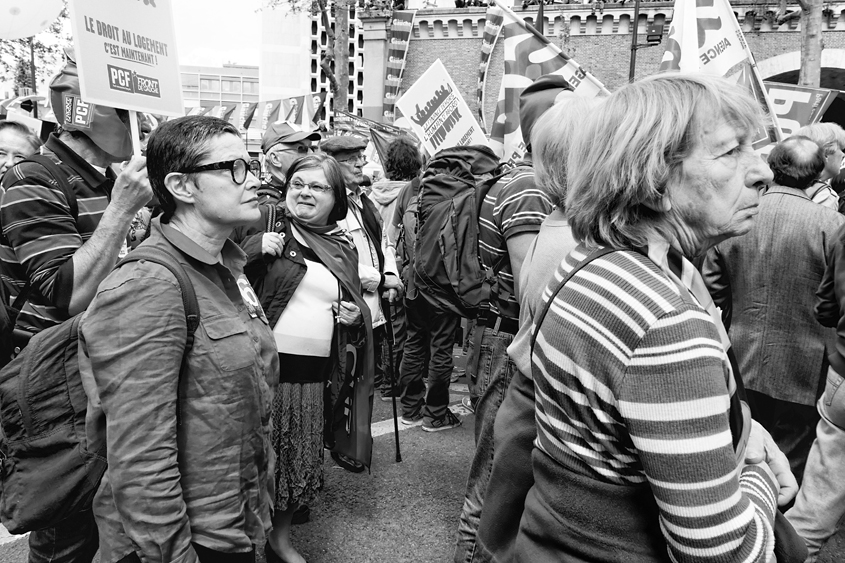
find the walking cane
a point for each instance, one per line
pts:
(393, 382)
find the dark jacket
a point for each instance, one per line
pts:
(830, 300)
(274, 279)
(269, 193)
(768, 278)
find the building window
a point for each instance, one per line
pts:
(231, 85)
(190, 81)
(250, 87)
(209, 85)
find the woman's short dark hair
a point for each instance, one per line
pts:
(180, 144)
(334, 177)
(403, 160)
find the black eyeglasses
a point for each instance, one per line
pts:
(238, 168)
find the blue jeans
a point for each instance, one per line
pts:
(820, 503)
(494, 373)
(430, 337)
(74, 541)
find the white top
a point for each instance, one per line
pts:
(307, 323)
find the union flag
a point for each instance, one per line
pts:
(705, 37)
(528, 56)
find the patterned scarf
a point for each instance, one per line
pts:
(348, 430)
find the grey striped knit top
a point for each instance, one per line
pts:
(633, 386)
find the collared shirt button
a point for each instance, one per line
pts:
(279, 224)
(255, 339)
(292, 253)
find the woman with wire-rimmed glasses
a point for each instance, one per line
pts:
(305, 272)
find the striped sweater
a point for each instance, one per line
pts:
(632, 387)
(40, 233)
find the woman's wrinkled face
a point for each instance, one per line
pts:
(309, 197)
(716, 194)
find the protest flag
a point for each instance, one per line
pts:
(317, 100)
(797, 106)
(492, 27)
(705, 37)
(528, 56)
(248, 114)
(398, 38)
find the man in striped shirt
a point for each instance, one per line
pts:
(510, 219)
(61, 237)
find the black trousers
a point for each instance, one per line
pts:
(792, 426)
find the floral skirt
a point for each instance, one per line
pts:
(298, 442)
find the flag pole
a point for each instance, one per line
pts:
(540, 17)
(634, 38)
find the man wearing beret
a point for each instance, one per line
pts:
(60, 262)
(376, 261)
(282, 144)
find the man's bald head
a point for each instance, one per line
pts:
(796, 162)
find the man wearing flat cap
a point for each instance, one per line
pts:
(376, 261)
(63, 233)
(282, 144)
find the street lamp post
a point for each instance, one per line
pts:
(654, 35)
(32, 75)
(634, 34)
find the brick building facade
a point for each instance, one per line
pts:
(599, 41)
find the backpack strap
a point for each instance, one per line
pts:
(189, 301)
(598, 253)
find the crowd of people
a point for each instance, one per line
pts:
(655, 375)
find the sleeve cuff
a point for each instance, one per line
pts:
(63, 286)
(760, 488)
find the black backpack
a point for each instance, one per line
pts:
(47, 472)
(447, 267)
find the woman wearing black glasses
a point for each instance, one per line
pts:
(187, 424)
(305, 272)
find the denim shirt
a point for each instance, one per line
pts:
(208, 480)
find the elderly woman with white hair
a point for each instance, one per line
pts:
(645, 450)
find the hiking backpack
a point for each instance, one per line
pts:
(408, 231)
(447, 267)
(47, 473)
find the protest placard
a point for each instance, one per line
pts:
(438, 113)
(126, 54)
(797, 106)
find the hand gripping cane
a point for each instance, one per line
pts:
(394, 385)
